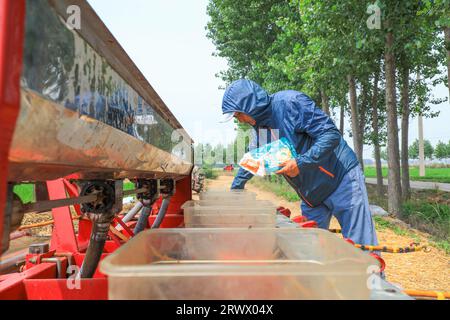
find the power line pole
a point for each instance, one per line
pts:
(421, 142)
(421, 148)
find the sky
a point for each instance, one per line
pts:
(167, 40)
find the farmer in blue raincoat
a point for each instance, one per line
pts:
(326, 174)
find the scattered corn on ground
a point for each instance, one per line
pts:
(417, 270)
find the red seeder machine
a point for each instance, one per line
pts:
(80, 123)
(73, 105)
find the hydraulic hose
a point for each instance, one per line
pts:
(390, 249)
(428, 294)
(133, 212)
(162, 213)
(143, 220)
(95, 249)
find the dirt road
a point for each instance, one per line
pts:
(419, 185)
(419, 270)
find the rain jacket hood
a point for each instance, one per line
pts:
(248, 97)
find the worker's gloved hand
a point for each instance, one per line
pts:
(289, 168)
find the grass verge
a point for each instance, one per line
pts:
(276, 185)
(441, 175)
(427, 211)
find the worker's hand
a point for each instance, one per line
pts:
(289, 168)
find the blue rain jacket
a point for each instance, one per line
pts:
(324, 156)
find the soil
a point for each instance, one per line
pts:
(41, 234)
(417, 270)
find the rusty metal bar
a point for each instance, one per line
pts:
(45, 206)
(131, 192)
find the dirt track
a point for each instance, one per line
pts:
(418, 270)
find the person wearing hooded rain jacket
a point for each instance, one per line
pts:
(326, 174)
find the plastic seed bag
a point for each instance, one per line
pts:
(267, 159)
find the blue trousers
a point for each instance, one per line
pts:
(350, 205)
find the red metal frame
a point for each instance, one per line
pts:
(229, 168)
(84, 226)
(12, 287)
(124, 226)
(183, 193)
(174, 217)
(63, 237)
(12, 22)
(38, 279)
(56, 289)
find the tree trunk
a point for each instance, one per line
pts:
(376, 134)
(325, 102)
(341, 124)
(362, 119)
(447, 46)
(394, 186)
(355, 118)
(406, 188)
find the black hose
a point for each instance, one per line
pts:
(143, 220)
(95, 249)
(161, 214)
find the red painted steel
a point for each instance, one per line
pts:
(12, 21)
(31, 260)
(63, 237)
(308, 224)
(183, 193)
(228, 168)
(300, 219)
(174, 217)
(58, 289)
(285, 212)
(124, 226)
(380, 260)
(114, 238)
(13, 288)
(84, 225)
(110, 247)
(350, 241)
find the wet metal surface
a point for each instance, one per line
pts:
(56, 142)
(80, 115)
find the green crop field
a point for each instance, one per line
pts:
(431, 174)
(26, 191)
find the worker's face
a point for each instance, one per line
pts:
(243, 118)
